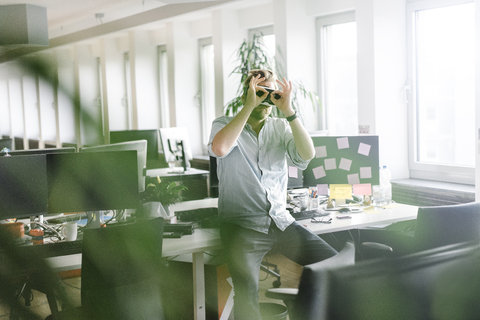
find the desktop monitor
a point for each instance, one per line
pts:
(140, 146)
(23, 186)
(343, 160)
(42, 151)
(92, 181)
(6, 143)
(153, 145)
(176, 145)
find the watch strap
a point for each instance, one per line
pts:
(292, 117)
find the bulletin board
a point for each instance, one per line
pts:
(343, 160)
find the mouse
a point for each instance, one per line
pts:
(343, 210)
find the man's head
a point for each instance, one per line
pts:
(263, 110)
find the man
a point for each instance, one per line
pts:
(251, 150)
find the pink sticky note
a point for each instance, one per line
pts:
(362, 189)
(322, 189)
(292, 172)
(319, 172)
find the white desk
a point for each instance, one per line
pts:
(209, 240)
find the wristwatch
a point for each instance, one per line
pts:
(292, 117)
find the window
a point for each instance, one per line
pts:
(268, 39)
(127, 99)
(207, 85)
(442, 75)
(337, 38)
(163, 82)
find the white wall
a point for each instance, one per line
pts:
(477, 99)
(4, 109)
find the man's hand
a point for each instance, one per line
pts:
(252, 99)
(284, 102)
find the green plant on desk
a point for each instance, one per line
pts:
(166, 193)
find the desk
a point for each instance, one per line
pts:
(196, 244)
(193, 179)
(209, 240)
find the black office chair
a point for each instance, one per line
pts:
(305, 303)
(440, 283)
(435, 227)
(121, 272)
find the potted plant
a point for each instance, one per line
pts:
(254, 55)
(165, 193)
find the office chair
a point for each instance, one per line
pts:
(121, 272)
(440, 283)
(305, 303)
(435, 227)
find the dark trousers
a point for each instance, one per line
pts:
(244, 252)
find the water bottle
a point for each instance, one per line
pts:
(385, 182)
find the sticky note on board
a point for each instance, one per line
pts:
(321, 152)
(342, 143)
(345, 164)
(319, 172)
(353, 179)
(330, 164)
(362, 189)
(340, 191)
(364, 149)
(365, 172)
(322, 189)
(292, 172)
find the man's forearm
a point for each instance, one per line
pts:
(226, 137)
(302, 139)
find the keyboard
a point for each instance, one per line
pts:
(197, 214)
(68, 218)
(308, 214)
(53, 249)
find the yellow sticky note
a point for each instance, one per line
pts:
(340, 191)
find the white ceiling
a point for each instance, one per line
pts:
(67, 16)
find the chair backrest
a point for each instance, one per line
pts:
(440, 283)
(444, 225)
(308, 304)
(121, 271)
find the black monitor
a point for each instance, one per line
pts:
(176, 146)
(42, 151)
(153, 144)
(343, 160)
(95, 181)
(23, 186)
(140, 146)
(6, 143)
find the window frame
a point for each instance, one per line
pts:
(207, 115)
(164, 101)
(423, 170)
(321, 22)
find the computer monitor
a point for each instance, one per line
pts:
(343, 160)
(176, 146)
(153, 144)
(92, 181)
(23, 186)
(42, 151)
(140, 146)
(6, 143)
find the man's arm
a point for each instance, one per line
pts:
(303, 141)
(226, 137)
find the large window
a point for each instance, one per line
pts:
(163, 82)
(268, 40)
(337, 38)
(442, 74)
(207, 85)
